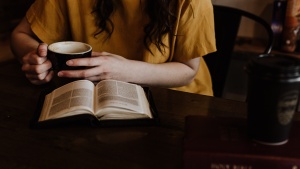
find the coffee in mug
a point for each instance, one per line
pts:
(60, 52)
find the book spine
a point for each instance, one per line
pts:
(204, 160)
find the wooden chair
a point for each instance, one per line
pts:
(227, 22)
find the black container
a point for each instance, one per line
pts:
(273, 91)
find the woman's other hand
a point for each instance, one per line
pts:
(104, 65)
(36, 66)
(31, 53)
(101, 66)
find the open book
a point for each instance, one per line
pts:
(108, 100)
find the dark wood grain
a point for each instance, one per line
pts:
(84, 146)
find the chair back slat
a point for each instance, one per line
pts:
(227, 24)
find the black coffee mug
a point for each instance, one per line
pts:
(273, 91)
(60, 52)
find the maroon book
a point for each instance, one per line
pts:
(222, 143)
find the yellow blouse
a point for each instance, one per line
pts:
(60, 20)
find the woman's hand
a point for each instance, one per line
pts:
(36, 66)
(31, 54)
(101, 66)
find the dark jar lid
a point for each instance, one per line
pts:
(275, 67)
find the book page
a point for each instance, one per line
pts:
(117, 98)
(71, 99)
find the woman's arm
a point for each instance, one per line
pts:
(109, 66)
(169, 74)
(23, 40)
(31, 54)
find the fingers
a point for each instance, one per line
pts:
(90, 62)
(94, 54)
(42, 50)
(36, 57)
(36, 66)
(45, 78)
(38, 77)
(102, 66)
(97, 59)
(86, 73)
(33, 58)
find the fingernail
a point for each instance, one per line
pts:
(59, 74)
(69, 62)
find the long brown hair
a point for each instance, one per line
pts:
(162, 14)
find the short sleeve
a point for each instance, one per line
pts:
(195, 34)
(49, 20)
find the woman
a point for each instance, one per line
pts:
(147, 42)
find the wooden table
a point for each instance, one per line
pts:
(85, 147)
